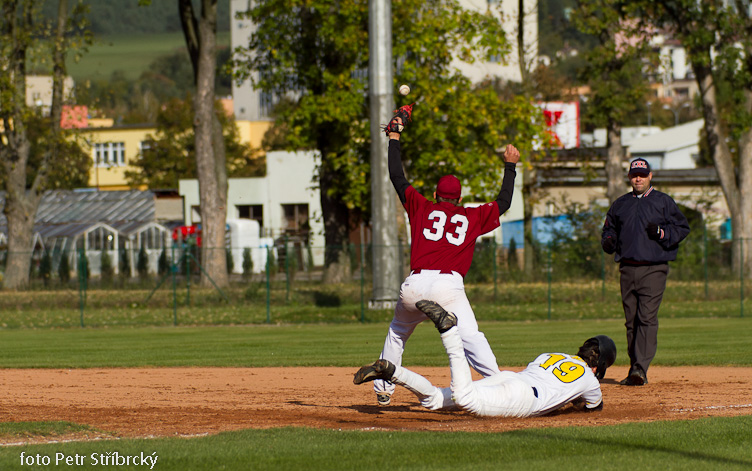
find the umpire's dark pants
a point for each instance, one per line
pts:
(642, 289)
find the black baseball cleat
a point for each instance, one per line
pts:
(441, 318)
(381, 369)
(636, 377)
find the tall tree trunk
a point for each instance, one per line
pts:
(20, 210)
(336, 229)
(211, 173)
(745, 185)
(724, 164)
(614, 158)
(21, 202)
(201, 41)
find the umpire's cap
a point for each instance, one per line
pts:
(607, 349)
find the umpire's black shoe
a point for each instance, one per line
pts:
(442, 319)
(636, 377)
(381, 369)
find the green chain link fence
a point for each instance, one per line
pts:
(571, 278)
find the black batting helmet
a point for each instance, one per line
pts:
(607, 349)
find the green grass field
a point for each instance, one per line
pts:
(130, 54)
(706, 444)
(713, 443)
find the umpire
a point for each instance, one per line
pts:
(643, 228)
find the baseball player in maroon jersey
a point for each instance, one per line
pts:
(443, 240)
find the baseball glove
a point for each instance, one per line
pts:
(405, 113)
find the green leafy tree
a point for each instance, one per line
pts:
(63, 268)
(616, 73)
(125, 263)
(170, 154)
(163, 265)
(24, 33)
(315, 54)
(106, 269)
(716, 36)
(142, 263)
(131, 101)
(45, 267)
(247, 263)
(230, 262)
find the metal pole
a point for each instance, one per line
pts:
(174, 269)
(188, 277)
(268, 285)
(705, 255)
(287, 271)
(741, 276)
(362, 273)
(386, 280)
(81, 282)
(603, 275)
(550, 269)
(495, 269)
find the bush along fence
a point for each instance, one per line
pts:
(286, 283)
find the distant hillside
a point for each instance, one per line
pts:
(130, 54)
(120, 17)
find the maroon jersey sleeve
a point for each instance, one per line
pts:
(444, 235)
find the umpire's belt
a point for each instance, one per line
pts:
(424, 270)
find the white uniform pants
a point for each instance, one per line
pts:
(449, 291)
(504, 394)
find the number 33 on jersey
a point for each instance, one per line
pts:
(444, 235)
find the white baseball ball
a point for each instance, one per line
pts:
(404, 89)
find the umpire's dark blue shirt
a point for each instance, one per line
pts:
(627, 222)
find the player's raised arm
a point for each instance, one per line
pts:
(511, 157)
(393, 130)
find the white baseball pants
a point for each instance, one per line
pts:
(449, 291)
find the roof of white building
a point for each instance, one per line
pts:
(670, 139)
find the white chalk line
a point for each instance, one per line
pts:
(733, 406)
(97, 439)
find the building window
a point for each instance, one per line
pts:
(251, 211)
(100, 239)
(144, 146)
(109, 154)
(296, 219)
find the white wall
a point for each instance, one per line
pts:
(288, 180)
(509, 69)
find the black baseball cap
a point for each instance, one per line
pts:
(639, 167)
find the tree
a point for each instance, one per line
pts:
(615, 71)
(201, 39)
(23, 33)
(717, 37)
(142, 263)
(170, 154)
(313, 59)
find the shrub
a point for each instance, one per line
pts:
(247, 263)
(45, 268)
(106, 267)
(125, 263)
(63, 268)
(230, 261)
(142, 264)
(163, 265)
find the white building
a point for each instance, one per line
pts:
(673, 148)
(284, 202)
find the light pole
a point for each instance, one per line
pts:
(649, 120)
(676, 114)
(676, 111)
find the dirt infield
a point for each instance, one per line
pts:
(142, 402)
